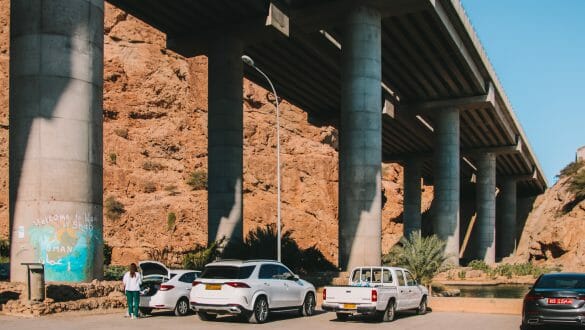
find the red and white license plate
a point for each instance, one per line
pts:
(560, 301)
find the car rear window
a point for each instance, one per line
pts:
(227, 272)
(561, 282)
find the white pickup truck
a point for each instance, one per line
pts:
(377, 291)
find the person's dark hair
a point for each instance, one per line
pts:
(133, 269)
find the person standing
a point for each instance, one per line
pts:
(132, 281)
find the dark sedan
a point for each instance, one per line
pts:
(555, 299)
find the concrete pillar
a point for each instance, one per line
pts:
(360, 148)
(486, 208)
(56, 82)
(506, 218)
(412, 196)
(446, 201)
(225, 124)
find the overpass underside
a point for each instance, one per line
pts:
(404, 81)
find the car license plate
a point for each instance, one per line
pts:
(349, 306)
(212, 286)
(560, 301)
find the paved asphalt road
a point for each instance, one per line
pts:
(435, 320)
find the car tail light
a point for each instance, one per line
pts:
(374, 295)
(324, 294)
(532, 297)
(195, 283)
(237, 284)
(166, 287)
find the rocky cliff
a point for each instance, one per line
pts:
(155, 136)
(554, 231)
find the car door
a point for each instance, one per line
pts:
(401, 291)
(274, 287)
(414, 294)
(185, 283)
(294, 289)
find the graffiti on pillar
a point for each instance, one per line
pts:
(66, 244)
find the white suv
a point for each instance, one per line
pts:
(251, 289)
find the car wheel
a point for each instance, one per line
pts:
(145, 311)
(342, 316)
(422, 307)
(308, 307)
(389, 313)
(203, 316)
(260, 312)
(182, 307)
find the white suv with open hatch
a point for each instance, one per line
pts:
(251, 289)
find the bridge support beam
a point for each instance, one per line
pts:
(360, 148)
(225, 136)
(447, 189)
(55, 167)
(486, 208)
(506, 218)
(412, 196)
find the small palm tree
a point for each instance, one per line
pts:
(423, 256)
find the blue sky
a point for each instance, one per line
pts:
(537, 48)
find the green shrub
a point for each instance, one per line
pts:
(571, 169)
(114, 209)
(152, 166)
(201, 256)
(113, 158)
(149, 187)
(172, 190)
(577, 185)
(478, 265)
(197, 180)
(121, 132)
(114, 273)
(4, 251)
(171, 218)
(462, 274)
(423, 256)
(107, 254)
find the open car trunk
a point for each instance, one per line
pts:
(154, 274)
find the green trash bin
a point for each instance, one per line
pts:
(35, 283)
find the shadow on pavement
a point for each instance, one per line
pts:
(371, 319)
(273, 317)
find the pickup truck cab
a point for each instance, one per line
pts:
(377, 291)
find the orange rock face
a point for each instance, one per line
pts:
(155, 136)
(554, 231)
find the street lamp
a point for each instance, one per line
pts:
(249, 61)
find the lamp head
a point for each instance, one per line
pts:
(248, 60)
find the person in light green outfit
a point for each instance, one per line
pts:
(132, 281)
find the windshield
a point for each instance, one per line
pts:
(561, 281)
(227, 272)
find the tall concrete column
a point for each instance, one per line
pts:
(506, 218)
(486, 208)
(412, 196)
(225, 124)
(447, 189)
(360, 148)
(56, 82)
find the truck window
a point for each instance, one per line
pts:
(387, 276)
(400, 278)
(377, 275)
(409, 280)
(367, 275)
(355, 277)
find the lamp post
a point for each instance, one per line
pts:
(248, 60)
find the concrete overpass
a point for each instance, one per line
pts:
(403, 80)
